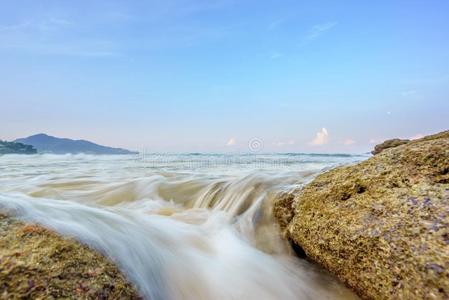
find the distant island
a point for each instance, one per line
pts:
(16, 148)
(44, 143)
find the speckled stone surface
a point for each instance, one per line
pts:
(382, 225)
(36, 263)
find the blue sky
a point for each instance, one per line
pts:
(180, 75)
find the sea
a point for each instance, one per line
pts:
(179, 226)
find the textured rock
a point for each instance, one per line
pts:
(381, 226)
(388, 144)
(36, 263)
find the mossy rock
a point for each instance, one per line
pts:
(382, 225)
(388, 144)
(36, 263)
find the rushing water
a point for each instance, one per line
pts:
(189, 226)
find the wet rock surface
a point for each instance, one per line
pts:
(382, 225)
(36, 263)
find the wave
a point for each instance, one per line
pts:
(175, 234)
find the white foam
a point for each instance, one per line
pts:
(176, 235)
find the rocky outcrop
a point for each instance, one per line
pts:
(36, 263)
(388, 144)
(382, 225)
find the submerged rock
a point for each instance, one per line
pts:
(382, 225)
(36, 263)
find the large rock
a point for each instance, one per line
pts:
(388, 144)
(381, 226)
(36, 263)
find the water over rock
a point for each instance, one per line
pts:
(36, 263)
(382, 225)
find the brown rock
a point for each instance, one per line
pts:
(388, 144)
(381, 226)
(36, 263)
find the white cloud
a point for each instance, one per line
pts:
(276, 23)
(417, 136)
(320, 29)
(232, 141)
(374, 141)
(321, 138)
(47, 36)
(348, 142)
(37, 26)
(276, 55)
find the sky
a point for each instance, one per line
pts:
(225, 75)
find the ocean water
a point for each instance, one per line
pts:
(179, 226)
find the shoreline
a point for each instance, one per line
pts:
(343, 220)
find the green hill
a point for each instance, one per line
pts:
(16, 148)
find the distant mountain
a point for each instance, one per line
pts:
(50, 144)
(16, 148)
